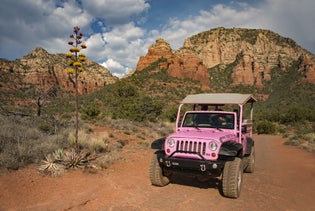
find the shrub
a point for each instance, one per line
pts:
(94, 145)
(265, 127)
(170, 113)
(47, 128)
(140, 108)
(90, 111)
(107, 159)
(293, 140)
(22, 143)
(310, 137)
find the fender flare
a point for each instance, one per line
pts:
(158, 144)
(249, 145)
(231, 149)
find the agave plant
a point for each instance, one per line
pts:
(75, 60)
(58, 161)
(74, 159)
(59, 154)
(51, 165)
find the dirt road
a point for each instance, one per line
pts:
(284, 179)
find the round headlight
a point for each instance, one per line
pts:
(170, 143)
(213, 145)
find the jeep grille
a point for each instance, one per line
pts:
(194, 147)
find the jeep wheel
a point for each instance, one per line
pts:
(156, 173)
(251, 162)
(232, 178)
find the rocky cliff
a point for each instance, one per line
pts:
(185, 64)
(46, 70)
(253, 54)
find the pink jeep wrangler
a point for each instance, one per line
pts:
(212, 139)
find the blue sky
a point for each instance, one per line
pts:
(118, 32)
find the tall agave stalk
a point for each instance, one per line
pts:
(75, 68)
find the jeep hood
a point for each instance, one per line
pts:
(201, 134)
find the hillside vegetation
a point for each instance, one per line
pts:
(147, 96)
(153, 95)
(36, 123)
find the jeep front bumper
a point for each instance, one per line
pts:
(194, 165)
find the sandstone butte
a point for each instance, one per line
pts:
(46, 71)
(255, 52)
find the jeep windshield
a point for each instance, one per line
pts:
(209, 120)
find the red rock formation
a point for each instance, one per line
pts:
(188, 65)
(184, 65)
(255, 52)
(46, 70)
(307, 67)
(160, 50)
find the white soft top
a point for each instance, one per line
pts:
(219, 98)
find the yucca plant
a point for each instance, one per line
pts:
(59, 154)
(74, 159)
(52, 165)
(59, 160)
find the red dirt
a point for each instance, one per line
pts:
(284, 179)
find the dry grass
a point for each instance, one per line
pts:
(22, 142)
(306, 141)
(309, 143)
(27, 140)
(86, 141)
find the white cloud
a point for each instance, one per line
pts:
(69, 15)
(119, 40)
(124, 44)
(96, 47)
(294, 19)
(116, 67)
(115, 12)
(122, 36)
(30, 24)
(110, 63)
(288, 18)
(119, 49)
(220, 15)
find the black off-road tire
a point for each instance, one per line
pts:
(232, 178)
(157, 177)
(251, 162)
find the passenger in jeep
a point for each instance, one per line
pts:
(224, 121)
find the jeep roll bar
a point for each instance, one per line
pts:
(219, 99)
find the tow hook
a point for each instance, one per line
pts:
(168, 163)
(202, 167)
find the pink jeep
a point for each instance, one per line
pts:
(212, 138)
